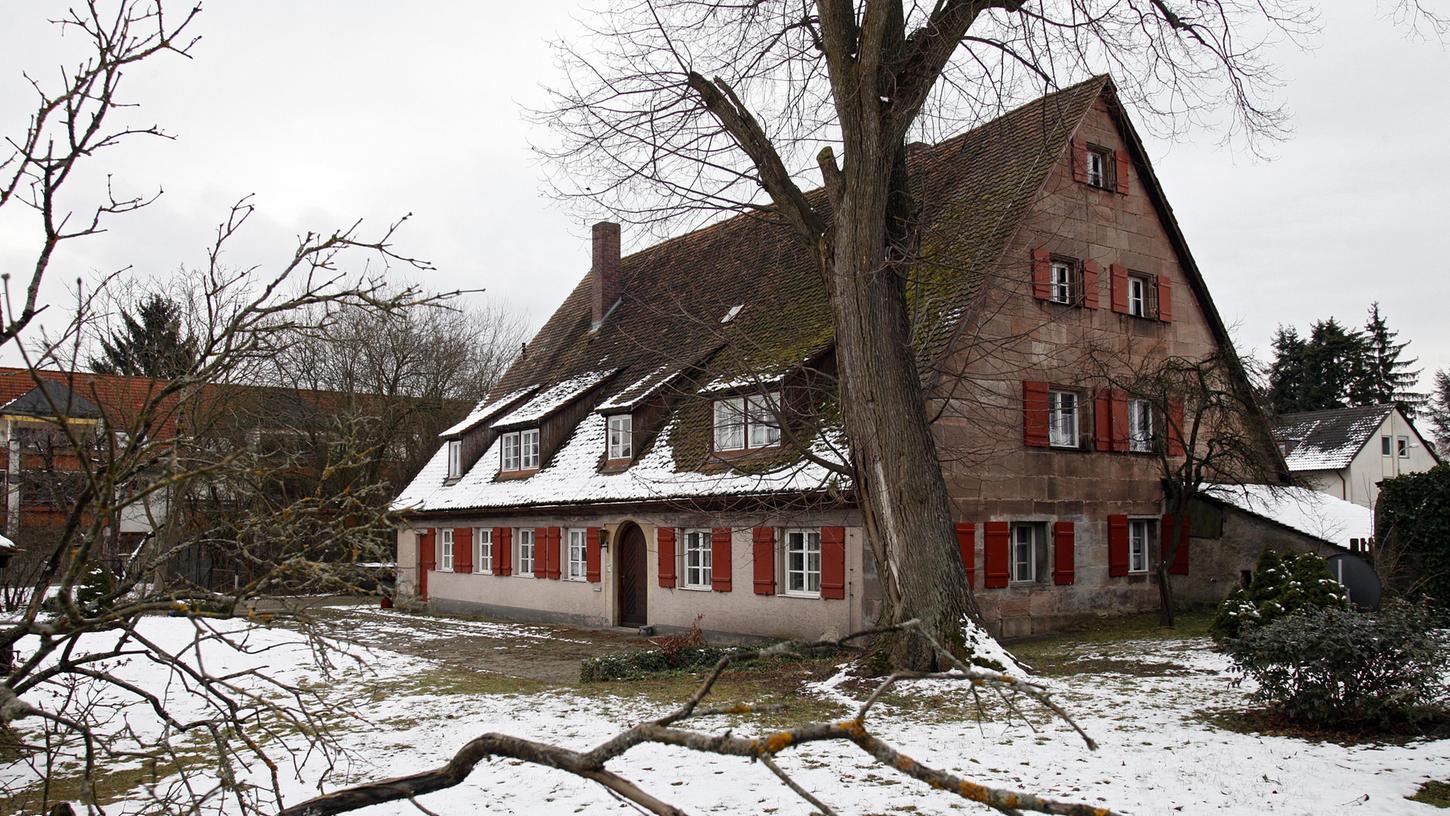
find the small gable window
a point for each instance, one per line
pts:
(1062, 419)
(1137, 296)
(1100, 167)
(747, 422)
(1063, 273)
(455, 458)
(620, 436)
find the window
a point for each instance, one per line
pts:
(747, 422)
(1029, 551)
(577, 567)
(1101, 168)
(510, 454)
(1142, 533)
(483, 555)
(697, 559)
(1403, 447)
(760, 415)
(1062, 420)
(1385, 446)
(445, 551)
(1062, 275)
(1137, 296)
(455, 458)
(1140, 426)
(620, 433)
(525, 560)
(803, 562)
(529, 449)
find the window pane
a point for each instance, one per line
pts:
(729, 424)
(764, 430)
(619, 437)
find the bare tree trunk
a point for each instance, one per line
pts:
(1165, 592)
(898, 475)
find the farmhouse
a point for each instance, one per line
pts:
(661, 450)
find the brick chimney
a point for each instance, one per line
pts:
(605, 270)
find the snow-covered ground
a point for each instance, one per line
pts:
(1143, 701)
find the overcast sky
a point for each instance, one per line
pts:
(330, 111)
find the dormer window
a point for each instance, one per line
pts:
(621, 436)
(743, 423)
(520, 450)
(455, 458)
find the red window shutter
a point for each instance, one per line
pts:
(1063, 542)
(1120, 166)
(1118, 275)
(833, 562)
(1041, 273)
(763, 553)
(1175, 427)
(427, 555)
(720, 559)
(1103, 420)
(1079, 161)
(995, 535)
(1034, 413)
(503, 550)
(555, 565)
(591, 554)
(541, 547)
(1120, 420)
(967, 545)
(1180, 530)
(1165, 299)
(665, 538)
(1090, 272)
(1117, 546)
(463, 549)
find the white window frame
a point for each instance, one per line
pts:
(621, 436)
(524, 537)
(803, 542)
(697, 554)
(1097, 168)
(455, 458)
(577, 569)
(1387, 446)
(1034, 531)
(1137, 296)
(509, 452)
(729, 416)
(445, 550)
(529, 449)
(762, 429)
(1063, 418)
(1140, 426)
(1402, 447)
(483, 550)
(1142, 532)
(1061, 282)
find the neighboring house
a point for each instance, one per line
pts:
(290, 428)
(641, 463)
(1347, 452)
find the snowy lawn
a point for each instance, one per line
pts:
(394, 709)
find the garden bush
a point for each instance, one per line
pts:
(1334, 667)
(1282, 585)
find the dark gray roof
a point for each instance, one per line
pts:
(51, 399)
(1330, 439)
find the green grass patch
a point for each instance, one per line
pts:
(1434, 793)
(1056, 654)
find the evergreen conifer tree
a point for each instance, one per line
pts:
(1390, 379)
(1336, 367)
(1438, 409)
(1286, 373)
(149, 343)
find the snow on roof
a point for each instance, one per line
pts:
(6, 545)
(487, 408)
(573, 477)
(1308, 511)
(738, 383)
(553, 398)
(632, 394)
(1330, 439)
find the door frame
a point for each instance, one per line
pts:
(618, 565)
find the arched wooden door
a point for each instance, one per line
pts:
(633, 587)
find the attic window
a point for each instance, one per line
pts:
(620, 436)
(1100, 168)
(455, 458)
(730, 315)
(743, 423)
(520, 450)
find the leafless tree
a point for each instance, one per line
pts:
(680, 109)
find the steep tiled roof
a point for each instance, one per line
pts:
(742, 299)
(1327, 440)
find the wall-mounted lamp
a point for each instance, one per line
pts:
(603, 539)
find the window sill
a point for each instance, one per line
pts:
(696, 587)
(509, 475)
(805, 595)
(742, 453)
(619, 463)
